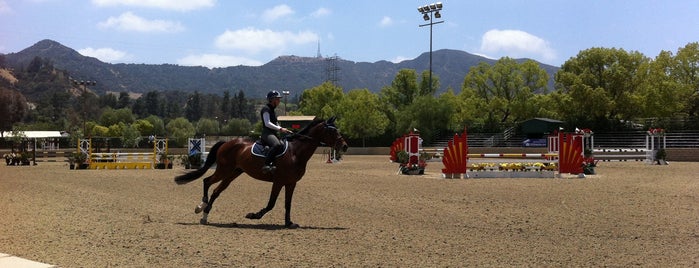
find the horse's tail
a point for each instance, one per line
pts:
(210, 160)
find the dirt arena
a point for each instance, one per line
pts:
(355, 213)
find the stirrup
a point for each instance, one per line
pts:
(268, 168)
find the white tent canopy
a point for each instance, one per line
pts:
(36, 134)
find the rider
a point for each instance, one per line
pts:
(270, 127)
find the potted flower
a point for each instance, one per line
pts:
(80, 160)
(194, 161)
(660, 156)
(164, 161)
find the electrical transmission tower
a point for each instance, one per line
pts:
(331, 69)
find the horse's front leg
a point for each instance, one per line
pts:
(289, 193)
(276, 188)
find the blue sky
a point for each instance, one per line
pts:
(218, 33)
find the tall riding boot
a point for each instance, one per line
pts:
(269, 161)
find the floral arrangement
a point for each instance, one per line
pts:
(513, 166)
(585, 132)
(656, 131)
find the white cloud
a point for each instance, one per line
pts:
(130, 22)
(215, 60)
(399, 59)
(178, 5)
(254, 40)
(104, 54)
(386, 21)
(321, 12)
(5, 7)
(516, 44)
(276, 12)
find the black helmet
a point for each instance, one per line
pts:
(273, 94)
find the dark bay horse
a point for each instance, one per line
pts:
(234, 157)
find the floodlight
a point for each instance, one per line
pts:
(426, 17)
(439, 5)
(437, 15)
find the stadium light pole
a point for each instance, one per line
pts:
(428, 13)
(286, 94)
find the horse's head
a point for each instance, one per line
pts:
(332, 137)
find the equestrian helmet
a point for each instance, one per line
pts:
(273, 95)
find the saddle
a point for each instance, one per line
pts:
(262, 150)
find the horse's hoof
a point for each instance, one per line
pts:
(252, 216)
(200, 207)
(203, 222)
(292, 225)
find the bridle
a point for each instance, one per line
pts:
(319, 141)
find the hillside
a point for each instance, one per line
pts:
(287, 72)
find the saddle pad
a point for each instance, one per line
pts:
(261, 150)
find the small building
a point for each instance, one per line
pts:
(295, 122)
(536, 131)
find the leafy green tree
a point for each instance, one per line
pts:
(180, 130)
(425, 84)
(193, 110)
(131, 136)
(686, 72)
(226, 105)
(108, 100)
(144, 127)
(100, 131)
(237, 127)
(13, 109)
(208, 126)
(360, 115)
(403, 90)
(110, 116)
(124, 100)
(153, 102)
(426, 114)
(321, 101)
(661, 95)
(602, 85)
(158, 126)
(116, 130)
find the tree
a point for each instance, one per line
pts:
(226, 105)
(426, 114)
(502, 93)
(207, 126)
(686, 72)
(321, 101)
(124, 100)
(144, 127)
(158, 126)
(180, 130)
(153, 103)
(13, 109)
(110, 116)
(602, 85)
(403, 89)
(425, 89)
(193, 111)
(360, 115)
(237, 127)
(131, 135)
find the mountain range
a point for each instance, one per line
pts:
(292, 73)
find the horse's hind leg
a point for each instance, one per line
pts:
(219, 189)
(205, 198)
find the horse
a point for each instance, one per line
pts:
(235, 157)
